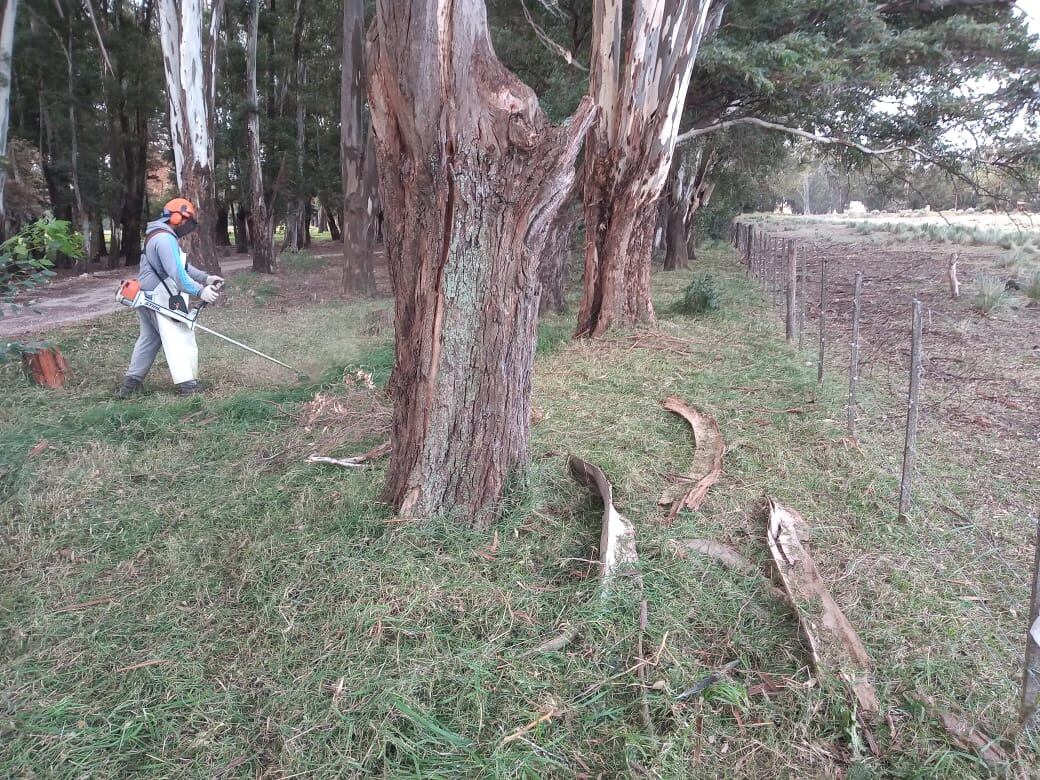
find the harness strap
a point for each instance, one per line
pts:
(160, 272)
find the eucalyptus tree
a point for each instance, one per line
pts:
(471, 176)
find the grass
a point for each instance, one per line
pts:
(1032, 288)
(183, 595)
(990, 294)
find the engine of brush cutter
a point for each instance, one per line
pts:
(130, 294)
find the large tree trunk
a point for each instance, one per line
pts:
(242, 230)
(135, 166)
(190, 97)
(358, 267)
(6, 50)
(330, 220)
(471, 175)
(557, 254)
(223, 234)
(373, 209)
(264, 260)
(674, 207)
(640, 100)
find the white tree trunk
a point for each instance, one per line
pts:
(640, 94)
(6, 50)
(188, 90)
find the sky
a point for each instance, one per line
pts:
(1031, 9)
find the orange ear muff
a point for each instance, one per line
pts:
(178, 210)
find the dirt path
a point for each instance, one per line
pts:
(80, 299)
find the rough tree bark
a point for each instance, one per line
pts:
(557, 253)
(190, 96)
(241, 230)
(222, 233)
(297, 228)
(676, 251)
(6, 50)
(687, 193)
(358, 267)
(264, 260)
(471, 175)
(640, 99)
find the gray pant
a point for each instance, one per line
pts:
(147, 346)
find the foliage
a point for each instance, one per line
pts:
(26, 259)
(1032, 288)
(990, 294)
(699, 297)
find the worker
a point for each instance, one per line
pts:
(166, 271)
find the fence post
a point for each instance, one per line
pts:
(823, 337)
(913, 408)
(854, 355)
(1031, 673)
(792, 290)
(776, 269)
(803, 292)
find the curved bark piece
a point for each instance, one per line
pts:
(832, 641)
(617, 540)
(729, 558)
(617, 556)
(707, 460)
(556, 643)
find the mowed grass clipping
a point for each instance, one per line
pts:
(183, 595)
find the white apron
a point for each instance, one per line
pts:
(178, 341)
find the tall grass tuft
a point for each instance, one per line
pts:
(1032, 288)
(989, 294)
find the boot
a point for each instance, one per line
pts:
(191, 387)
(129, 387)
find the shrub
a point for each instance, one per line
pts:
(699, 296)
(26, 258)
(989, 295)
(1032, 288)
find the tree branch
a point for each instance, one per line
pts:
(550, 44)
(797, 131)
(903, 6)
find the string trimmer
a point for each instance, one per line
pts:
(130, 294)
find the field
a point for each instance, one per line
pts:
(183, 594)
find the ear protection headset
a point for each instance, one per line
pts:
(178, 211)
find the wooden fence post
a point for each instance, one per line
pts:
(804, 291)
(913, 408)
(1031, 673)
(776, 269)
(823, 337)
(792, 290)
(854, 355)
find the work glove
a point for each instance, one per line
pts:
(214, 280)
(209, 294)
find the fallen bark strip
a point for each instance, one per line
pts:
(617, 540)
(706, 468)
(963, 734)
(556, 643)
(832, 641)
(361, 461)
(617, 556)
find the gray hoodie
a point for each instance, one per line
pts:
(163, 256)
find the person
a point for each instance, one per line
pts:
(166, 272)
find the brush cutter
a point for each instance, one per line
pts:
(130, 294)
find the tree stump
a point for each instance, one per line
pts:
(44, 365)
